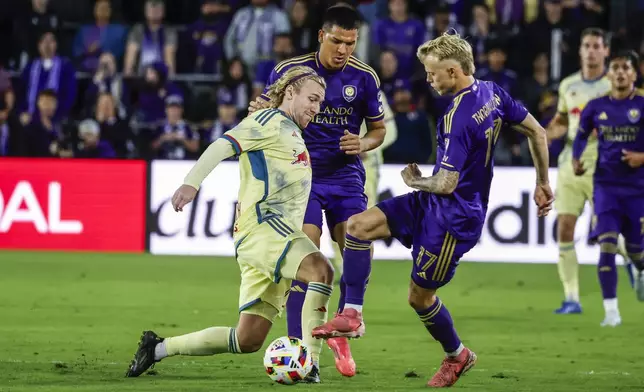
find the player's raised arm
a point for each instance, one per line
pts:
(558, 126)
(219, 150)
(586, 126)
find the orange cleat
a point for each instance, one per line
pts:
(347, 324)
(343, 359)
(452, 369)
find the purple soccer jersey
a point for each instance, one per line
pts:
(618, 188)
(352, 96)
(440, 229)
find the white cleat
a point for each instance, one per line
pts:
(612, 319)
(639, 283)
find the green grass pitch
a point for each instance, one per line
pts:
(71, 322)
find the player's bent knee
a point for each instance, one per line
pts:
(420, 298)
(566, 227)
(316, 268)
(252, 331)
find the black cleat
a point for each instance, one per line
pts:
(144, 357)
(313, 377)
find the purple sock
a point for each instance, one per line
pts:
(343, 295)
(357, 265)
(294, 308)
(607, 273)
(439, 323)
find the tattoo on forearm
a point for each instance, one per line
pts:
(443, 183)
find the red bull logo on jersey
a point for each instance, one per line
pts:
(301, 158)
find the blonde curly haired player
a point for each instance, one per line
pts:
(270, 247)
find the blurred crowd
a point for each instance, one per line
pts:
(161, 79)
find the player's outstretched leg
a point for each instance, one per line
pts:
(607, 274)
(247, 337)
(568, 266)
(318, 272)
(631, 270)
(636, 255)
(438, 322)
(362, 229)
(294, 308)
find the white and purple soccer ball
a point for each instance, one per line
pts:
(287, 360)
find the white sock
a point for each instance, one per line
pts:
(573, 296)
(610, 305)
(352, 306)
(160, 351)
(457, 352)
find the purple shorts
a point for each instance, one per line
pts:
(618, 214)
(435, 252)
(338, 205)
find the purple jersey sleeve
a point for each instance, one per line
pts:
(586, 126)
(513, 111)
(375, 110)
(271, 79)
(457, 141)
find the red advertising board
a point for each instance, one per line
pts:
(88, 205)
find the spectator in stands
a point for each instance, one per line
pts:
(151, 42)
(52, 72)
(91, 145)
(237, 81)
(100, 37)
(174, 139)
(550, 34)
(250, 35)
(389, 75)
(282, 50)
(510, 15)
(226, 119)
(402, 35)
(480, 32)
(496, 71)
(29, 28)
(154, 89)
(107, 80)
(304, 33)
(42, 135)
(441, 21)
(114, 129)
(537, 84)
(204, 49)
(414, 142)
(7, 137)
(7, 95)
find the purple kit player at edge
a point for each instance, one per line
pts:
(332, 139)
(618, 192)
(443, 220)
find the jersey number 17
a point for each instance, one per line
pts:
(492, 135)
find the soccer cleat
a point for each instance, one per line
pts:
(144, 356)
(452, 369)
(313, 377)
(612, 319)
(343, 359)
(347, 324)
(639, 284)
(569, 307)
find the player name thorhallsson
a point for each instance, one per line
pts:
(333, 116)
(480, 115)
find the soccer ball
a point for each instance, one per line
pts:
(287, 360)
